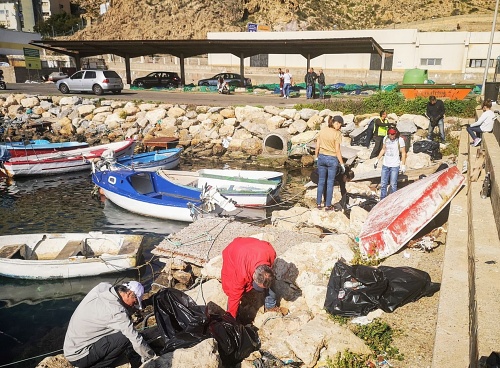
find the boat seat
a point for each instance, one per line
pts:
(71, 249)
(16, 251)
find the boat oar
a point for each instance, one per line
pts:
(36, 246)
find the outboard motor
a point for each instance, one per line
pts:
(2, 83)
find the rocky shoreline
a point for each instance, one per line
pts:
(308, 241)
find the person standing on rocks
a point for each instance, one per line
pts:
(282, 81)
(100, 330)
(246, 265)
(392, 149)
(378, 130)
(287, 83)
(329, 157)
(435, 114)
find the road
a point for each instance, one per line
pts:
(173, 97)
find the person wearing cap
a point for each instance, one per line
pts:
(328, 157)
(435, 114)
(392, 149)
(246, 265)
(100, 329)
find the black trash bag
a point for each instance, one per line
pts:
(362, 138)
(384, 287)
(354, 301)
(406, 284)
(493, 361)
(235, 341)
(425, 146)
(182, 323)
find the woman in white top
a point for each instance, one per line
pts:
(392, 148)
(483, 124)
(287, 83)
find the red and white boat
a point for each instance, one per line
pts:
(40, 147)
(66, 161)
(401, 215)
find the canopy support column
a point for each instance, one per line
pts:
(127, 69)
(183, 73)
(78, 61)
(242, 69)
(308, 62)
(382, 66)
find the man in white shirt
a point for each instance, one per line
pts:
(287, 83)
(483, 124)
(393, 147)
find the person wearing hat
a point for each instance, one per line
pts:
(100, 329)
(328, 157)
(394, 152)
(246, 265)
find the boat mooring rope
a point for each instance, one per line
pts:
(24, 360)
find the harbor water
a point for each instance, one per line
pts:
(34, 314)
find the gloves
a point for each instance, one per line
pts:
(342, 168)
(402, 168)
(375, 164)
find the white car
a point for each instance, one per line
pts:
(92, 80)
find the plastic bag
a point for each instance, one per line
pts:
(426, 146)
(384, 287)
(184, 324)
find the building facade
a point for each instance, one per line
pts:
(23, 15)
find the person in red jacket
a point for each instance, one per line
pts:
(246, 265)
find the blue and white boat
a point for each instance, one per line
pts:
(149, 194)
(39, 147)
(148, 161)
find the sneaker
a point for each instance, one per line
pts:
(282, 310)
(477, 141)
(329, 208)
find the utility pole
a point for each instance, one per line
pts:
(488, 57)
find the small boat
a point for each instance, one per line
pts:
(244, 174)
(147, 161)
(68, 255)
(65, 161)
(245, 192)
(401, 215)
(40, 147)
(149, 194)
(450, 91)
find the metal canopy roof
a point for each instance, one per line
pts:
(309, 48)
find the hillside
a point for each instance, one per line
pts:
(192, 19)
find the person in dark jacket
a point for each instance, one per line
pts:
(321, 83)
(246, 265)
(309, 80)
(341, 178)
(435, 114)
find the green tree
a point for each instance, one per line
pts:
(57, 25)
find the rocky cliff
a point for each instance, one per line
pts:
(192, 19)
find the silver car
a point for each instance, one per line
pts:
(91, 80)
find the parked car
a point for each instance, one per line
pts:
(158, 79)
(55, 76)
(231, 78)
(91, 80)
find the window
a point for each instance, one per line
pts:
(89, 74)
(479, 63)
(77, 75)
(430, 61)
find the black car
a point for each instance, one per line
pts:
(231, 78)
(158, 79)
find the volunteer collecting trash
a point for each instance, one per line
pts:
(100, 330)
(393, 147)
(246, 265)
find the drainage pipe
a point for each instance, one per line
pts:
(276, 142)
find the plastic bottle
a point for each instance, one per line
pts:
(485, 191)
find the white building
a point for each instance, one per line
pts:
(23, 15)
(458, 57)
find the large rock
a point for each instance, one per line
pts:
(155, 116)
(333, 221)
(251, 114)
(212, 268)
(209, 291)
(306, 114)
(298, 126)
(85, 110)
(147, 106)
(259, 129)
(30, 102)
(275, 122)
(305, 137)
(418, 160)
(103, 109)
(176, 112)
(252, 146)
(203, 355)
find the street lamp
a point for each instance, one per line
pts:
(488, 57)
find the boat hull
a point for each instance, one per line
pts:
(151, 161)
(457, 92)
(401, 215)
(37, 147)
(110, 254)
(64, 162)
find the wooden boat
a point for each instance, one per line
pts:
(149, 194)
(40, 147)
(401, 215)
(243, 174)
(450, 91)
(61, 256)
(65, 161)
(147, 161)
(245, 192)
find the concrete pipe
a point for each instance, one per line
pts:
(276, 142)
